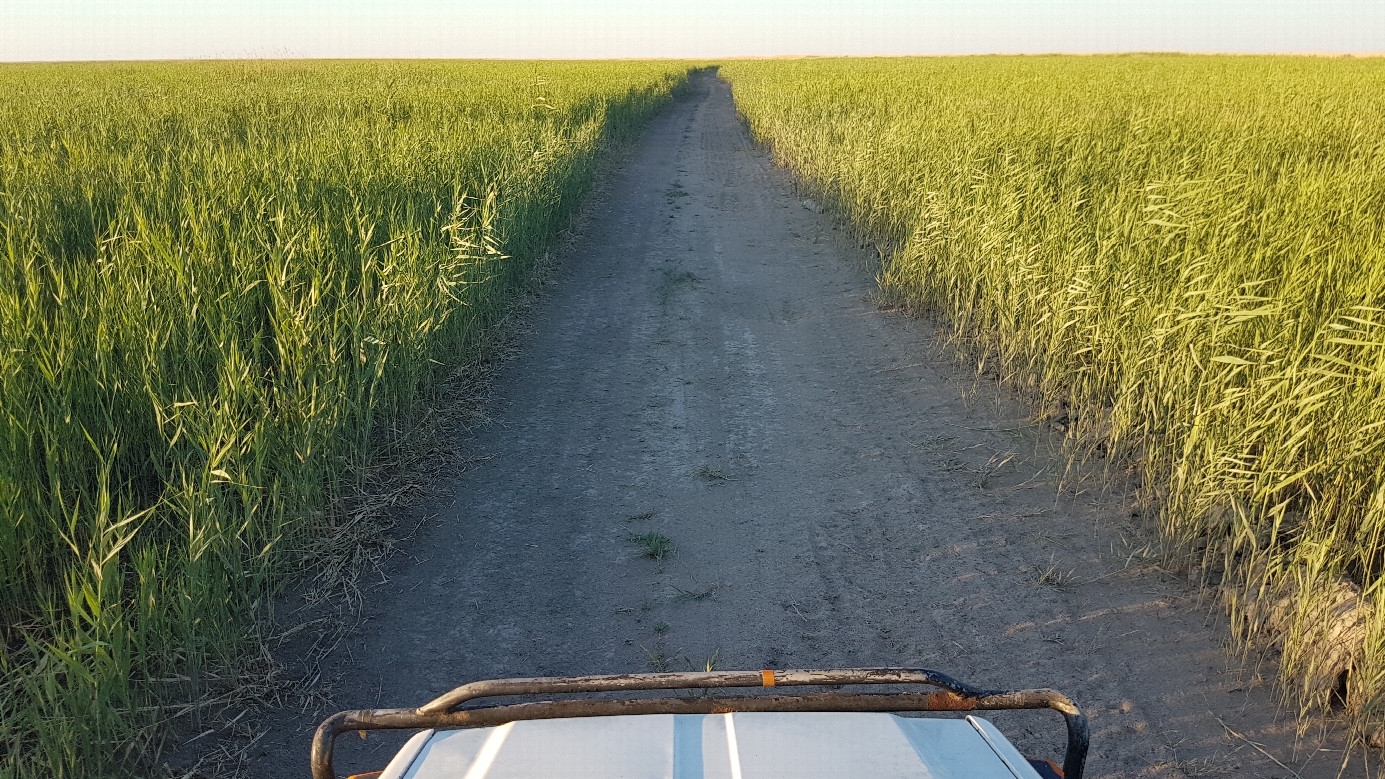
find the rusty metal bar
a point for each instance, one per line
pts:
(953, 696)
(692, 680)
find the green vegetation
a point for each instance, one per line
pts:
(674, 281)
(1183, 258)
(219, 282)
(654, 545)
(713, 474)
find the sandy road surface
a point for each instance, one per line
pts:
(709, 366)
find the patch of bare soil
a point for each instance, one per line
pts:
(715, 449)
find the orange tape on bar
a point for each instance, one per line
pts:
(767, 678)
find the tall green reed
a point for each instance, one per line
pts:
(216, 281)
(1184, 257)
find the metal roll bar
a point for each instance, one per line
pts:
(444, 712)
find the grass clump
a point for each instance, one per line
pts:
(218, 282)
(1180, 257)
(674, 281)
(1054, 576)
(713, 474)
(654, 545)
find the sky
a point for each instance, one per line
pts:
(188, 29)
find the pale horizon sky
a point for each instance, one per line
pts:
(170, 29)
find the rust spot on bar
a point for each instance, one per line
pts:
(946, 700)
(767, 678)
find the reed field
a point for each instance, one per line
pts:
(217, 282)
(1182, 260)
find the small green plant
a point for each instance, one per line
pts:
(642, 516)
(659, 657)
(713, 474)
(711, 664)
(654, 545)
(661, 627)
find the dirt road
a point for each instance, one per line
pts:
(709, 367)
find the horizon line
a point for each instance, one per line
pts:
(1100, 53)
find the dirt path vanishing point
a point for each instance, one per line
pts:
(709, 366)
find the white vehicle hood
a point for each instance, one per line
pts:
(717, 746)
